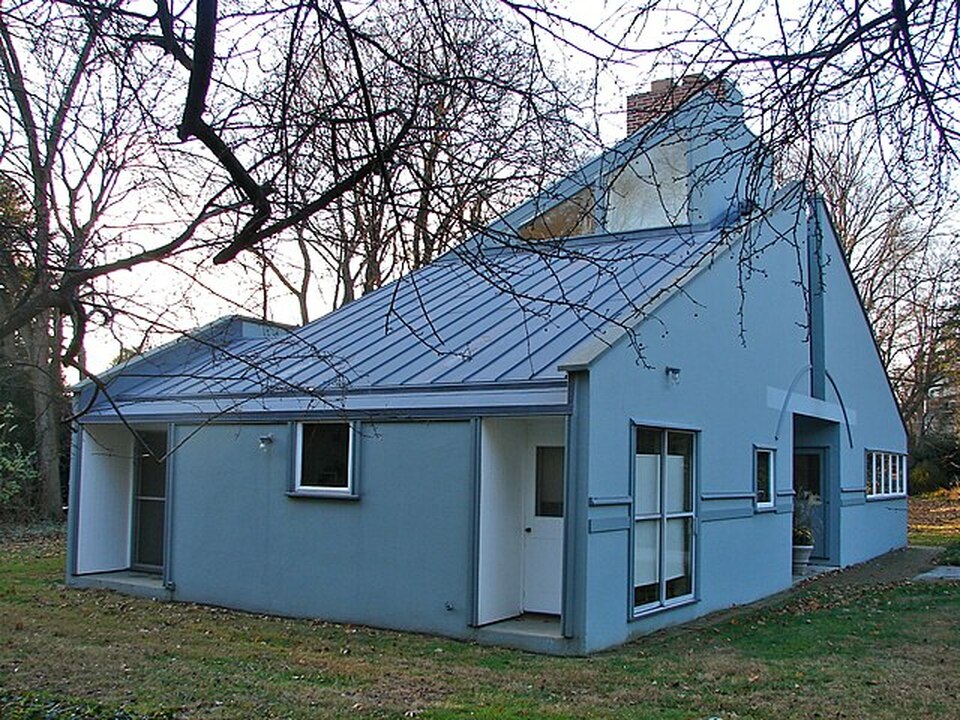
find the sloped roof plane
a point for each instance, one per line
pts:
(503, 316)
(495, 314)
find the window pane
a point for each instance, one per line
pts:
(763, 461)
(324, 458)
(647, 491)
(150, 519)
(649, 441)
(650, 190)
(679, 472)
(646, 561)
(677, 557)
(151, 465)
(549, 482)
(573, 216)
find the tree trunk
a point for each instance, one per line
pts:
(46, 385)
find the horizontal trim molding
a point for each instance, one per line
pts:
(884, 498)
(322, 495)
(443, 402)
(727, 496)
(610, 501)
(729, 514)
(602, 525)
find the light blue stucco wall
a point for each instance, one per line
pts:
(399, 556)
(403, 555)
(867, 528)
(737, 364)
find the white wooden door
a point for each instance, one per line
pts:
(543, 532)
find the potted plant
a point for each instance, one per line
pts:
(803, 519)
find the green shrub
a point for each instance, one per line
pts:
(18, 469)
(935, 464)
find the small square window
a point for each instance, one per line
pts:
(323, 458)
(763, 477)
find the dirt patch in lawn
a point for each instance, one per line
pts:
(897, 566)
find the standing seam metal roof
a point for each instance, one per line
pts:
(497, 315)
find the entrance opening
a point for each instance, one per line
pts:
(121, 503)
(815, 483)
(521, 518)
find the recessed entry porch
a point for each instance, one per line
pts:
(120, 509)
(521, 527)
(816, 486)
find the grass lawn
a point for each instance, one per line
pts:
(830, 649)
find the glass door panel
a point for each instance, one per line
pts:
(150, 502)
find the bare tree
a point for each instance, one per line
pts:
(76, 149)
(902, 258)
(491, 128)
(891, 65)
(370, 147)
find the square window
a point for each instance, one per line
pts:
(763, 477)
(323, 458)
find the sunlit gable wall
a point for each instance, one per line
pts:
(649, 190)
(692, 164)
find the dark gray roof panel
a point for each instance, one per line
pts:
(495, 316)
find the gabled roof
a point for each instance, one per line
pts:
(217, 333)
(499, 318)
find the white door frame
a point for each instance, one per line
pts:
(508, 448)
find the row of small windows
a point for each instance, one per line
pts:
(886, 474)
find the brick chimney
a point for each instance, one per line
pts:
(665, 96)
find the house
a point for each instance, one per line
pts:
(586, 423)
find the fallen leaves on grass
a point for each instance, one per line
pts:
(935, 513)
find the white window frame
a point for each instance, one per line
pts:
(323, 490)
(662, 602)
(772, 474)
(885, 474)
